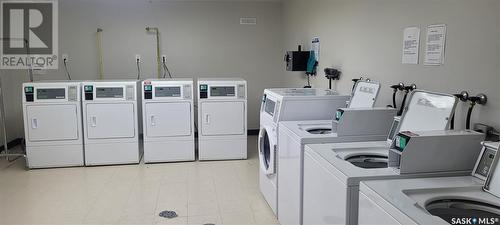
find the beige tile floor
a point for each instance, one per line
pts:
(219, 192)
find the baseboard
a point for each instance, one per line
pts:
(12, 144)
(18, 141)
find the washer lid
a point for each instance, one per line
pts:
(365, 94)
(427, 111)
(492, 184)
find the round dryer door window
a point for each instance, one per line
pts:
(266, 150)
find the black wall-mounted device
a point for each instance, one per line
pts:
(297, 60)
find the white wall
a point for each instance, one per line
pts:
(200, 39)
(364, 38)
(204, 38)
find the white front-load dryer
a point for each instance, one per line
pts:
(52, 114)
(168, 120)
(268, 179)
(222, 119)
(110, 122)
(288, 104)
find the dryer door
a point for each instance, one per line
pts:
(52, 122)
(168, 119)
(267, 150)
(223, 118)
(110, 120)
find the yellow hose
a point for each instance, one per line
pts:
(99, 49)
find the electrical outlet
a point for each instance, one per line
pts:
(138, 58)
(164, 58)
(65, 57)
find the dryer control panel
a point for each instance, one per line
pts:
(109, 92)
(59, 93)
(114, 92)
(152, 91)
(222, 91)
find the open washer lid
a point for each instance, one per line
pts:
(427, 111)
(365, 94)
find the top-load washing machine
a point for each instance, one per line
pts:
(332, 173)
(110, 122)
(473, 199)
(288, 104)
(222, 118)
(358, 122)
(53, 124)
(168, 120)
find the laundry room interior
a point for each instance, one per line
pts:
(262, 112)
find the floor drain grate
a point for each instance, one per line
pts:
(168, 214)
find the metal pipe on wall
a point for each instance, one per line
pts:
(158, 62)
(99, 49)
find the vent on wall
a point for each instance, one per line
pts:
(248, 21)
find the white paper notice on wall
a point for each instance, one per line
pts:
(411, 44)
(315, 47)
(436, 42)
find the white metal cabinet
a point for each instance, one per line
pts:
(320, 208)
(223, 118)
(177, 122)
(52, 122)
(372, 213)
(115, 120)
(289, 177)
